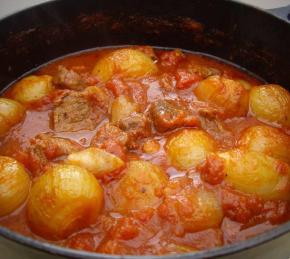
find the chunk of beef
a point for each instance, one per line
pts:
(170, 59)
(112, 139)
(207, 111)
(131, 88)
(138, 93)
(137, 126)
(210, 122)
(55, 146)
(38, 161)
(99, 95)
(46, 147)
(109, 132)
(70, 79)
(204, 71)
(168, 115)
(190, 74)
(167, 82)
(118, 87)
(75, 112)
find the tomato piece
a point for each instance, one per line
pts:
(171, 58)
(186, 79)
(115, 148)
(118, 87)
(83, 241)
(143, 215)
(212, 170)
(240, 207)
(139, 93)
(126, 229)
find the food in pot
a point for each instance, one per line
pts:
(32, 89)
(14, 185)
(278, 112)
(126, 62)
(11, 113)
(143, 151)
(65, 199)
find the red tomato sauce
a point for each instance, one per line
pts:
(151, 231)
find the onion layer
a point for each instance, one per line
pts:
(66, 198)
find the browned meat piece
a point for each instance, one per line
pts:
(169, 115)
(118, 87)
(206, 111)
(136, 126)
(75, 112)
(112, 139)
(55, 146)
(99, 95)
(38, 161)
(167, 82)
(131, 88)
(190, 74)
(171, 59)
(203, 71)
(70, 79)
(109, 132)
(210, 122)
(45, 147)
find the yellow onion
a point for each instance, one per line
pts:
(65, 199)
(227, 94)
(95, 160)
(206, 213)
(11, 113)
(14, 185)
(125, 62)
(139, 186)
(195, 209)
(188, 148)
(256, 173)
(121, 108)
(271, 103)
(268, 140)
(32, 88)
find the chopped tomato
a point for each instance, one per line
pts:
(171, 58)
(212, 170)
(83, 241)
(186, 79)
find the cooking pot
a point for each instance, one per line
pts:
(256, 40)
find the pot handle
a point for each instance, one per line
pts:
(283, 12)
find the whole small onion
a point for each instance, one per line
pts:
(65, 199)
(14, 185)
(32, 89)
(11, 113)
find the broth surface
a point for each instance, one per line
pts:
(165, 227)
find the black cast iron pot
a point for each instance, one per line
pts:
(255, 40)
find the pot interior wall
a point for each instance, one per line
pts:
(251, 38)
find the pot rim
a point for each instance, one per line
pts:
(212, 253)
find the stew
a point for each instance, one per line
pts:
(143, 151)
